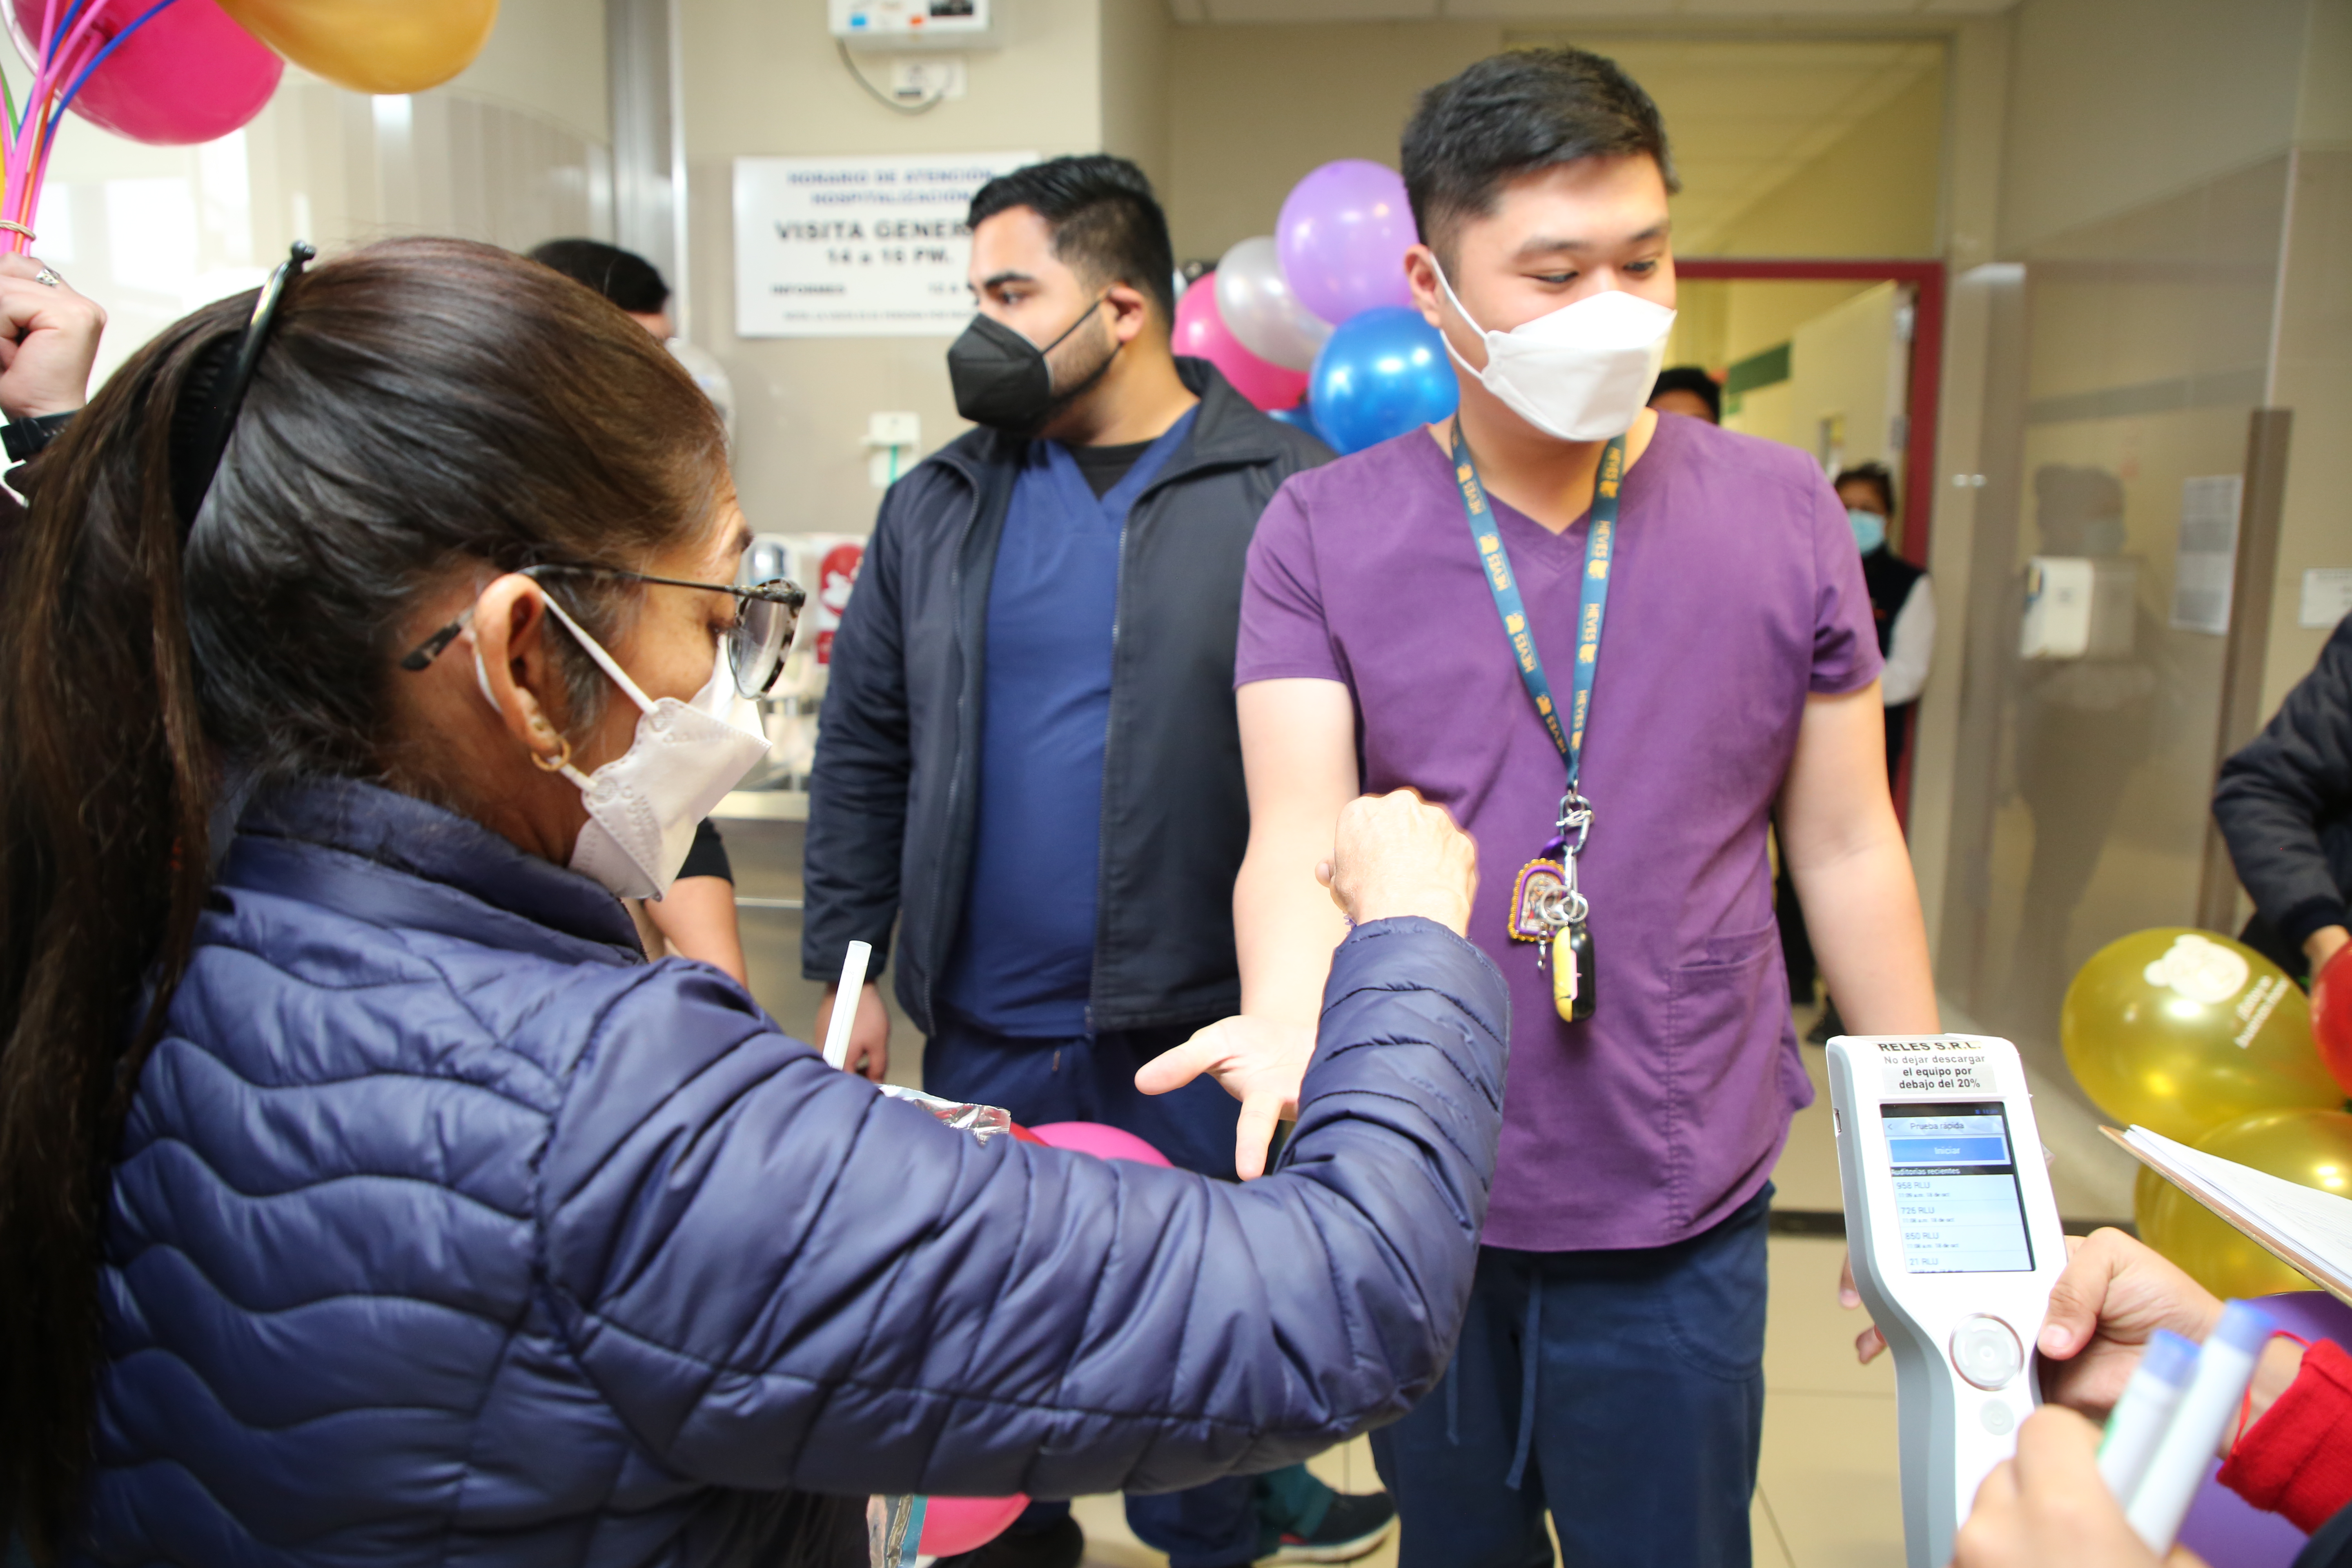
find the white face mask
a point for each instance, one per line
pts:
(644, 804)
(1581, 373)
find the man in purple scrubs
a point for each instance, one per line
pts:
(1436, 612)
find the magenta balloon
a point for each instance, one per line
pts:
(1202, 332)
(958, 1524)
(1342, 238)
(1104, 1142)
(189, 75)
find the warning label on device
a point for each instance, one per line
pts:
(1935, 1067)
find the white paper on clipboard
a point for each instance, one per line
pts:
(2299, 1224)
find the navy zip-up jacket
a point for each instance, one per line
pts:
(894, 792)
(2283, 804)
(445, 1229)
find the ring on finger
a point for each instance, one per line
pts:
(49, 279)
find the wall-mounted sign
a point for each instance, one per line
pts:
(857, 247)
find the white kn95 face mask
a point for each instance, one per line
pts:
(644, 804)
(1577, 373)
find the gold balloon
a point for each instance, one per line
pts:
(373, 46)
(2183, 1030)
(2147, 1188)
(2311, 1148)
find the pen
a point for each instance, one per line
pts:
(2225, 1365)
(2139, 1421)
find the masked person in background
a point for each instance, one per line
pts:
(1903, 607)
(366, 1197)
(1028, 758)
(696, 919)
(1619, 778)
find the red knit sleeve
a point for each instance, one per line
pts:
(2297, 1460)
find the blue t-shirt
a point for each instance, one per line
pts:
(1025, 963)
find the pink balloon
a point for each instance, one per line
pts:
(955, 1524)
(1342, 237)
(189, 75)
(1092, 1137)
(1202, 332)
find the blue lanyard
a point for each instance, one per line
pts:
(1599, 542)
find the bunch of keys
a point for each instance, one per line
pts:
(1548, 910)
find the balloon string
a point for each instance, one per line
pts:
(29, 155)
(21, 170)
(95, 62)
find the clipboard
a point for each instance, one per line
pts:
(2300, 1226)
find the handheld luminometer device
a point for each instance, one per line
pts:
(1954, 1235)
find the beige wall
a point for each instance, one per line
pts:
(1135, 71)
(763, 80)
(1253, 109)
(546, 56)
(2311, 368)
(2114, 103)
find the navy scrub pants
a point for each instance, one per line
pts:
(1091, 1078)
(1623, 1392)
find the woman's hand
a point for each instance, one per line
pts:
(2047, 1508)
(48, 340)
(1398, 854)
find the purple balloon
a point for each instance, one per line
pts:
(1342, 238)
(2222, 1527)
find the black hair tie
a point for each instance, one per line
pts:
(215, 389)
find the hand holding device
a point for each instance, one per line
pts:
(1954, 1239)
(2046, 1508)
(2115, 1294)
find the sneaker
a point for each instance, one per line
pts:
(1352, 1527)
(1061, 1544)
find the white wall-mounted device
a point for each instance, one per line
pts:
(1954, 1235)
(2079, 606)
(914, 23)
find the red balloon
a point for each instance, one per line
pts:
(1103, 1142)
(189, 75)
(958, 1524)
(2331, 1015)
(1201, 331)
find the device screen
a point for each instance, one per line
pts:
(1956, 1190)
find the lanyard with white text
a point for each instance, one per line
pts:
(1546, 906)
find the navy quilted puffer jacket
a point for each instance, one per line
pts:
(445, 1229)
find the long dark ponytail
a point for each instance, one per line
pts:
(423, 408)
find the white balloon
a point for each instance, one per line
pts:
(1261, 311)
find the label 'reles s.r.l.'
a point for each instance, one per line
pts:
(1956, 1191)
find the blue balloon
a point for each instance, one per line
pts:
(1383, 372)
(1302, 418)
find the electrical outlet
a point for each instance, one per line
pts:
(928, 80)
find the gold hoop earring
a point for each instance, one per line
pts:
(559, 764)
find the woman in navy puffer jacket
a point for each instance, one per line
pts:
(369, 1199)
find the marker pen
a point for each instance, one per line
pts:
(845, 997)
(2225, 1365)
(2139, 1419)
